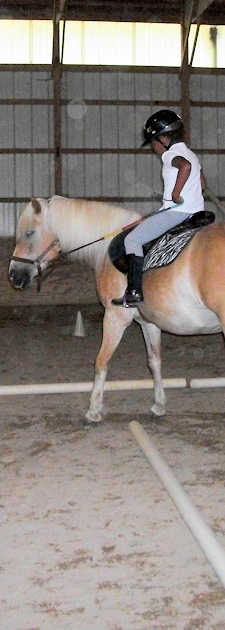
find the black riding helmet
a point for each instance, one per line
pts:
(161, 123)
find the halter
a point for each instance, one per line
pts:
(37, 261)
(40, 258)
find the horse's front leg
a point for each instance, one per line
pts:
(115, 322)
(152, 337)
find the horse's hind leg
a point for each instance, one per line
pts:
(114, 324)
(152, 337)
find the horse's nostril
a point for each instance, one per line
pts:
(19, 278)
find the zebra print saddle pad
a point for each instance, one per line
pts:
(167, 247)
(164, 249)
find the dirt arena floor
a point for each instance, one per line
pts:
(90, 539)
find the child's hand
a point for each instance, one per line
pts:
(177, 198)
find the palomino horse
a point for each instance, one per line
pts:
(187, 297)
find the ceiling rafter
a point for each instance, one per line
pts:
(211, 11)
(188, 15)
(55, 43)
(193, 11)
(201, 8)
(61, 10)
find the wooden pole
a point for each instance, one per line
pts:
(213, 551)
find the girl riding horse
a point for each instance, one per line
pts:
(181, 173)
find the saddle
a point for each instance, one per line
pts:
(163, 250)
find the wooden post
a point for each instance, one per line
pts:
(56, 76)
(185, 81)
(57, 129)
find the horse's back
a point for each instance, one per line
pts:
(207, 265)
(188, 296)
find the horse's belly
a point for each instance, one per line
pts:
(191, 323)
(182, 317)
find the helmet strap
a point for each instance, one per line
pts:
(166, 146)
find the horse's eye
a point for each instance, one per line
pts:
(29, 233)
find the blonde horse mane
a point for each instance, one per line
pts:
(79, 221)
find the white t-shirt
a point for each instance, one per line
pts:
(192, 190)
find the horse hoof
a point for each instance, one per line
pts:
(92, 419)
(158, 410)
(87, 425)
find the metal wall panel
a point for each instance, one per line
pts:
(207, 87)
(27, 139)
(72, 85)
(109, 85)
(91, 126)
(110, 175)
(7, 176)
(207, 93)
(103, 113)
(7, 219)
(43, 175)
(6, 84)
(7, 126)
(9, 214)
(208, 127)
(25, 84)
(220, 188)
(113, 175)
(109, 126)
(32, 84)
(126, 127)
(119, 84)
(73, 175)
(72, 126)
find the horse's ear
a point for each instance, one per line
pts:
(36, 205)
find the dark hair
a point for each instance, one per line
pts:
(175, 136)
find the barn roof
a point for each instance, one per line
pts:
(175, 11)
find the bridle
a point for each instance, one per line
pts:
(37, 261)
(61, 255)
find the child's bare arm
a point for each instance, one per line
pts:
(184, 169)
(203, 181)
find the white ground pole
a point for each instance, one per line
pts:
(196, 383)
(110, 386)
(200, 530)
(69, 388)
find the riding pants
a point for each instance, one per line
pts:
(152, 227)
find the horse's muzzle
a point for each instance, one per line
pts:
(19, 278)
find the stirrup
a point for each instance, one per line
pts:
(130, 299)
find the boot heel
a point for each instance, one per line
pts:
(133, 294)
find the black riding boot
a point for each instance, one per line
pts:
(133, 294)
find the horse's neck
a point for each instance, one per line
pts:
(80, 222)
